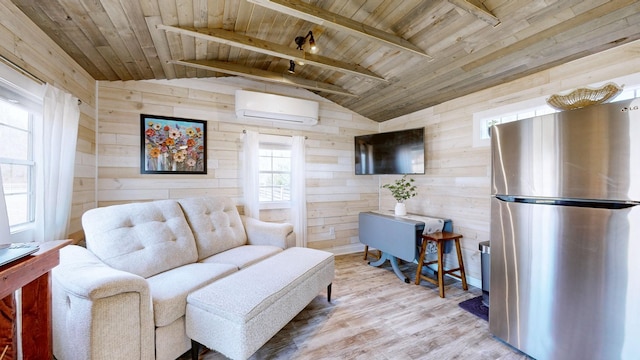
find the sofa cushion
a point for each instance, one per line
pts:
(215, 223)
(169, 289)
(243, 256)
(141, 238)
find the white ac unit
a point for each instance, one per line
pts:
(252, 105)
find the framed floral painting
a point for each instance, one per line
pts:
(172, 145)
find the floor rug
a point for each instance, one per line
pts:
(476, 307)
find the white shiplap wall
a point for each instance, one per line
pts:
(457, 180)
(30, 48)
(335, 195)
(455, 186)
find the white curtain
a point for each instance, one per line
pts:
(250, 185)
(5, 231)
(298, 190)
(55, 161)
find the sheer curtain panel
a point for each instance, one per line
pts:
(299, 190)
(250, 187)
(5, 232)
(55, 161)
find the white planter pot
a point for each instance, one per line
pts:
(401, 209)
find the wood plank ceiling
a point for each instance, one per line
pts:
(379, 58)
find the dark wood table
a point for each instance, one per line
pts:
(32, 275)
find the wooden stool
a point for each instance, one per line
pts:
(440, 238)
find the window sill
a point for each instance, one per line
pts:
(22, 233)
(275, 205)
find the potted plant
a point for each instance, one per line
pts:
(401, 190)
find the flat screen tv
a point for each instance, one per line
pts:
(395, 152)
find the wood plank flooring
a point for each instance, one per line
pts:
(374, 315)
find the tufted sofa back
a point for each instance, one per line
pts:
(215, 223)
(141, 238)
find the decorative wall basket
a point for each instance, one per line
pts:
(584, 97)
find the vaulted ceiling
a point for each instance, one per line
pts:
(379, 58)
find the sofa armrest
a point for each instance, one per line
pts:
(98, 311)
(268, 233)
(82, 274)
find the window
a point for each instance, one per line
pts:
(275, 172)
(628, 93)
(482, 121)
(505, 118)
(20, 115)
(16, 162)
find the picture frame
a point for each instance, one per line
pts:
(172, 145)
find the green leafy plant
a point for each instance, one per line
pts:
(402, 189)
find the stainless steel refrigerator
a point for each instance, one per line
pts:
(565, 233)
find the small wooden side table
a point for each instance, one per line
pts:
(440, 238)
(32, 274)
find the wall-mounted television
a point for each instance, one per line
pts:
(395, 152)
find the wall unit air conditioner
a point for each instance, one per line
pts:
(269, 107)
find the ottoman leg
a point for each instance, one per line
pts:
(329, 293)
(195, 350)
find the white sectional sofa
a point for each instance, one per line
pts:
(124, 296)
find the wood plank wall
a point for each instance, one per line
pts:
(457, 180)
(335, 195)
(456, 184)
(30, 48)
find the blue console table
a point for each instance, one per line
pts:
(397, 237)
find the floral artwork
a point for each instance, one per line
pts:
(173, 145)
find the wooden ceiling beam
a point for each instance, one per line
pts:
(263, 75)
(328, 19)
(265, 47)
(477, 9)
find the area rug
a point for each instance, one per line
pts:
(476, 307)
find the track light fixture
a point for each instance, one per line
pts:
(301, 40)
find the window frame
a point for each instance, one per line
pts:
(535, 107)
(275, 142)
(30, 96)
(30, 163)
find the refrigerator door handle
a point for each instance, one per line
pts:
(601, 204)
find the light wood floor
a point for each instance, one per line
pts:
(375, 315)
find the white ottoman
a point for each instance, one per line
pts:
(238, 314)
